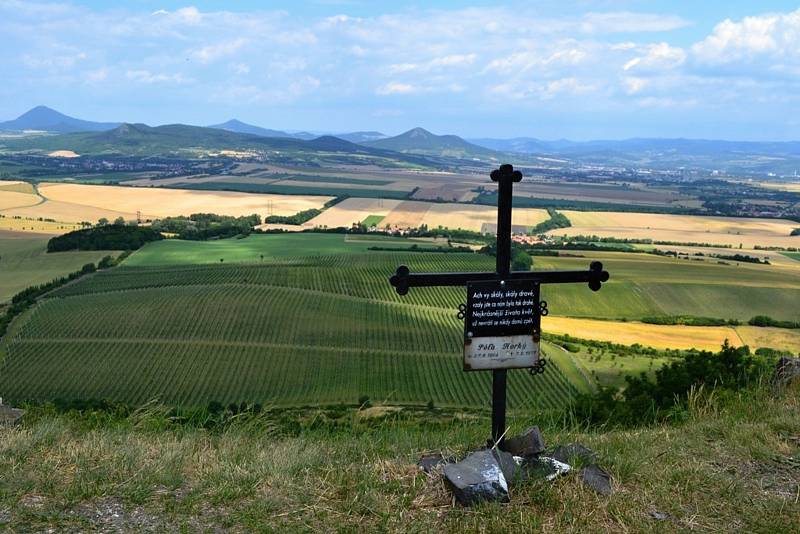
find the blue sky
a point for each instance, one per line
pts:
(547, 69)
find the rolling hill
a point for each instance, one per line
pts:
(238, 126)
(180, 139)
(50, 120)
(421, 141)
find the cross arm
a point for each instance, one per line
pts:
(403, 279)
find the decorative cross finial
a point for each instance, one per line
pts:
(506, 171)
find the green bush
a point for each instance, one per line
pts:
(645, 400)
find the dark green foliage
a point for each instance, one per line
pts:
(688, 320)
(645, 400)
(556, 220)
(766, 320)
(742, 258)
(298, 218)
(521, 261)
(107, 237)
(202, 226)
(796, 231)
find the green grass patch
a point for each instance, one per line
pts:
(792, 255)
(372, 220)
(253, 247)
(24, 262)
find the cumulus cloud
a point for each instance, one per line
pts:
(209, 53)
(773, 37)
(397, 88)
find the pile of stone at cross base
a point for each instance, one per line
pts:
(486, 475)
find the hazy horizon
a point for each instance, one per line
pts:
(600, 70)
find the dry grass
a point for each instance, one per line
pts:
(727, 468)
(682, 228)
(407, 214)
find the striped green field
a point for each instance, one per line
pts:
(316, 322)
(302, 331)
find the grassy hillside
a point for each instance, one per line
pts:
(24, 262)
(730, 466)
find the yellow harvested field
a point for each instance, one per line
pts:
(412, 213)
(793, 187)
(472, 217)
(776, 338)
(78, 202)
(35, 227)
(352, 210)
(651, 335)
(407, 214)
(14, 199)
(68, 212)
(682, 228)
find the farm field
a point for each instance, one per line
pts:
(682, 228)
(651, 335)
(80, 202)
(317, 323)
(411, 213)
(25, 262)
(34, 227)
(240, 340)
(271, 246)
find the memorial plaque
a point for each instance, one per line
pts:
(501, 325)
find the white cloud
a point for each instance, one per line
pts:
(147, 77)
(210, 53)
(627, 22)
(397, 88)
(657, 57)
(773, 37)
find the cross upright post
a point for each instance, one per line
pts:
(505, 177)
(503, 347)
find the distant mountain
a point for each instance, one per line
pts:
(707, 154)
(50, 120)
(361, 137)
(238, 126)
(421, 141)
(143, 140)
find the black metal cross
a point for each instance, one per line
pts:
(403, 279)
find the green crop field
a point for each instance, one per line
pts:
(316, 322)
(250, 249)
(286, 333)
(25, 262)
(793, 255)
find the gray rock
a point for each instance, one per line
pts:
(511, 469)
(597, 478)
(477, 478)
(573, 453)
(529, 443)
(544, 467)
(787, 370)
(429, 462)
